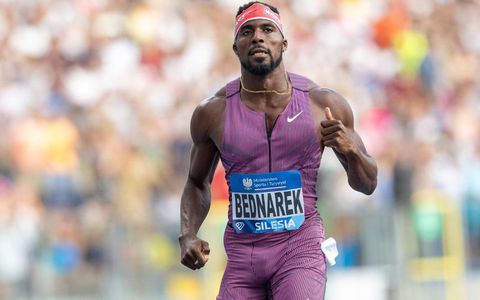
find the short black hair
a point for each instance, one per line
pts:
(245, 6)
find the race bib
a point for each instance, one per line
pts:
(267, 202)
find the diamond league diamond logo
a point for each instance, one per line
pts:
(240, 225)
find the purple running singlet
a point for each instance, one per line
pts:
(274, 232)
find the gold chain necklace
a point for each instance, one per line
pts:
(268, 91)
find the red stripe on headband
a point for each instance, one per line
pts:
(255, 12)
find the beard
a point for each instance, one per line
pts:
(262, 68)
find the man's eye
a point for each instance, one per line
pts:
(246, 32)
(268, 29)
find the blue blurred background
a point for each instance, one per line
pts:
(95, 102)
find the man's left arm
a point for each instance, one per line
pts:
(338, 133)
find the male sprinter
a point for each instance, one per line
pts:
(269, 129)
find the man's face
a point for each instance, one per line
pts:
(259, 46)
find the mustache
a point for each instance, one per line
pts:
(255, 48)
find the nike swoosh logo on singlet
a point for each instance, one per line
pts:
(290, 120)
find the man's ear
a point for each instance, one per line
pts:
(284, 45)
(235, 49)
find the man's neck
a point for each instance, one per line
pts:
(265, 101)
(276, 80)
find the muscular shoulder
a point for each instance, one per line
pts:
(211, 106)
(208, 116)
(321, 98)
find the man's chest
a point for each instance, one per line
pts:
(252, 140)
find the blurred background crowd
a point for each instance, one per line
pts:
(95, 102)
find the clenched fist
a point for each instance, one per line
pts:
(194, 251)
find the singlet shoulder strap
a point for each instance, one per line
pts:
(233, 87)
(299, 82)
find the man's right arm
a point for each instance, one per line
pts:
(195, 202)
